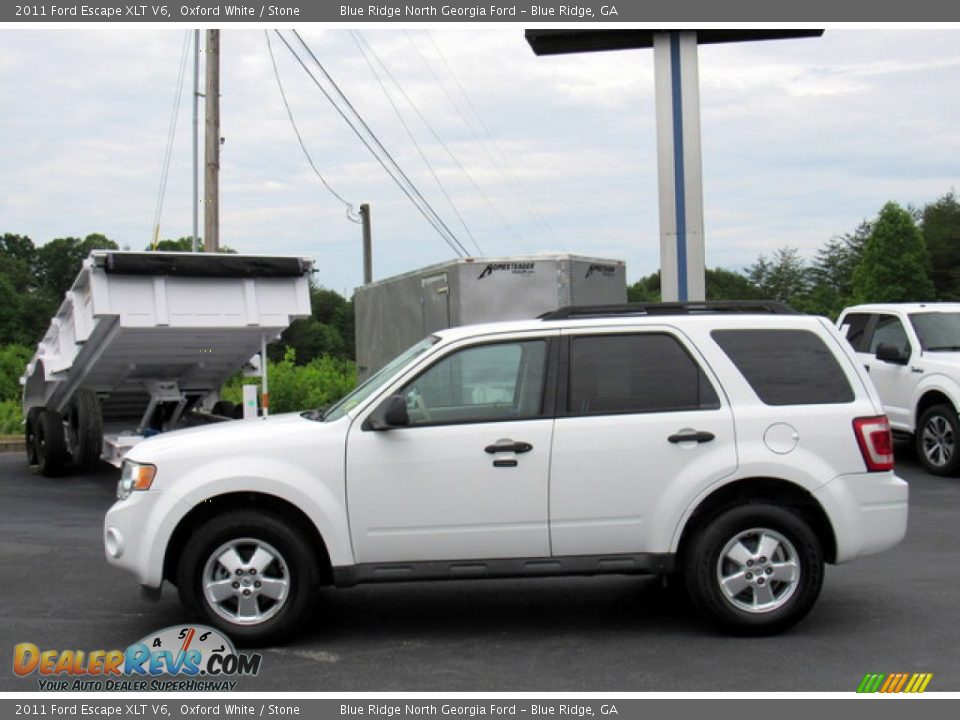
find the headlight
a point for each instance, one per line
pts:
(134, 476)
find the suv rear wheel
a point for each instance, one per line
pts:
(249, 574)
(754, 569)
(937, 435)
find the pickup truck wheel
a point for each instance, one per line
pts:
(249, 574)
(937, 435)
(85, 429)
(754, 569)
(30, 434)
(50, 443)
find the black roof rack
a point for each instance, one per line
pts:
(771, 307)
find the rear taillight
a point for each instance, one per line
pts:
(876, 442)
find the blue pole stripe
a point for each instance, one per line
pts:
(678, 176)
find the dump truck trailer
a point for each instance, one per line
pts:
(142, 340)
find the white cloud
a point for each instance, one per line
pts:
(802, 139)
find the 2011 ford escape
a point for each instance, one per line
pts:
(738, 447)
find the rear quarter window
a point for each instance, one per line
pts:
(786, 367)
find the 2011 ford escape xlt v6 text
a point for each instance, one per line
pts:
(738, 447)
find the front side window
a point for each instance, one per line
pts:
(484, 383)
(889, 331)
(643, 373)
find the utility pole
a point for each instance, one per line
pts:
(211, 192)
(367, 245)
(196, 139)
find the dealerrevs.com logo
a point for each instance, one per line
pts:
(180, 658)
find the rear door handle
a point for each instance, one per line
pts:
(509, 446)
(698, 437)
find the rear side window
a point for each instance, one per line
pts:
(650, 372)
(786, 367)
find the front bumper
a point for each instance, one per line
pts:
(868, 512)
(136, 532)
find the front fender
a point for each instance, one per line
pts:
(322, 502)
(936, 382)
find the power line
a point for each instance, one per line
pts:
(534, 210)
(351, 213)
(448, 234)
(380, 153)
(171, 135)
(361, 42)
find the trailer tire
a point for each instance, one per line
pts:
(30, 435)
(51, 443)
(85, 428)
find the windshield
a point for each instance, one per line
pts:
(377, 380)
(938, 332)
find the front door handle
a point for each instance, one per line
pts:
(509, 446)
(698, 437)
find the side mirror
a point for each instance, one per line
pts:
(391, 413)
(892, 354)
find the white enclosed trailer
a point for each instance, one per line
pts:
(394, 313)
(142, 338)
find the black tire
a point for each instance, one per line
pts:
(30, 434)
(937, 439)
(769, 601)
(85, 429)
(51, 445)
(245, 531)
(224, 408)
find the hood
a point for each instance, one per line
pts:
(224, 437)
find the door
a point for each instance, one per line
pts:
(435, 299)
(894, 381)
(467, 479)
(637, 418)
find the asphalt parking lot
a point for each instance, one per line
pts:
(894, 612)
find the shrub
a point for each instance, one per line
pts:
(11, 418)
(13, 362)
(320, 382)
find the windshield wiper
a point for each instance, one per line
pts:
(944, 348)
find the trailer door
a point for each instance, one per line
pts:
(435, 300)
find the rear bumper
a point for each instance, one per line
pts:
(868, 512)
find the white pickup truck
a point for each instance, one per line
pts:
(912, 352)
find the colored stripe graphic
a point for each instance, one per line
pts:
(894, 683)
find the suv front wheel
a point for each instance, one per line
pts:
(754, 569)
(937, 435)
(249, 574)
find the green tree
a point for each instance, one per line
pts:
(782, 277)
(646, 289)
(895, 264)
(940, 226)
(831, 273)
(59, 261)
(729, 285)
(18, 258)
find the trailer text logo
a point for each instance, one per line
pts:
(202, 657)
(516, 268)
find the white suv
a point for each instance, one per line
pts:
(912, 352)
(737, 446)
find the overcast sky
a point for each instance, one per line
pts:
(802, 140)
